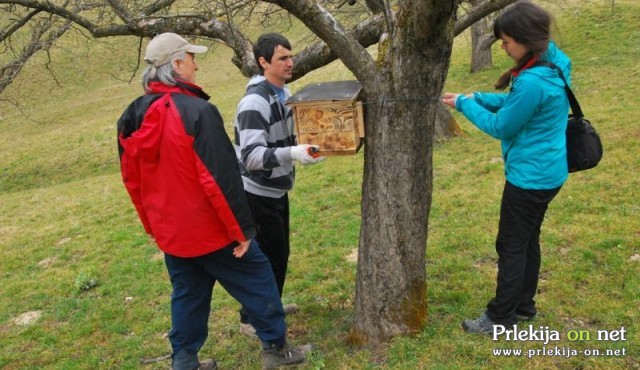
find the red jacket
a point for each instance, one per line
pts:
(181, 171)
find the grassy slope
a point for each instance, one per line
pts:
(65, 219)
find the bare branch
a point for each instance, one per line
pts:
(319, 54)
(21, 110)
(323, 24)
(121, 10)
(9, 71)
(47, 66)
(4, 35)
(241, 46)
(478, 12)
(155, 7)
(218, 23)
(49, 7)
(369, 32)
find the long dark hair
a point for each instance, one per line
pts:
(529, 25)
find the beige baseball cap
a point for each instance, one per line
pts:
(166, 45)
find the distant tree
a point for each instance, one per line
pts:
(402, 85)
(481, 40)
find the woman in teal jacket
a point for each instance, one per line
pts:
(530, 121)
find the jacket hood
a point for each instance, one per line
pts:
(255, 80)
(557, 57)
(144, 143)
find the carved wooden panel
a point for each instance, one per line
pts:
(328, 119)
(333, 126)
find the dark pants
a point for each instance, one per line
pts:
(518, 246)
(248, 279)
(271, 216)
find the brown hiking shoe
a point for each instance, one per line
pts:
(290, 308)
(247, 329)
(208, 364)
(286, 355)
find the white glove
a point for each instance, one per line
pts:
(301, 154)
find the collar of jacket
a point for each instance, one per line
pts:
(528, 64)
(181, 87)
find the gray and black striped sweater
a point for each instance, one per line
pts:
(264, 135)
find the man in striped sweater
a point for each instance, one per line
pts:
(266, 147)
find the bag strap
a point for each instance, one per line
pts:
(575, 106)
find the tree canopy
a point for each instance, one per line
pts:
(31, 26)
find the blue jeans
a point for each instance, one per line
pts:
(248, 279)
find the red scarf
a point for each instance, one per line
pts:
(529, 64)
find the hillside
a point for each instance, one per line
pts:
(74, 252)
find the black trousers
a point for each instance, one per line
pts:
(271, 216)
(518, 246)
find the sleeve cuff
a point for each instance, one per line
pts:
(459, 101)
(284, 155)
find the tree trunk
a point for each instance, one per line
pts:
(391, 286)
(481, 40)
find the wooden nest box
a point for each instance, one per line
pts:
(329, 115)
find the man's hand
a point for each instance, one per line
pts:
(241, 249)
(301, 154)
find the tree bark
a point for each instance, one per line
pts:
(391, 286)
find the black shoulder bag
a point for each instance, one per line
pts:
(584, 148)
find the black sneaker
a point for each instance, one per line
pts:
(286, 355)
(481, 325)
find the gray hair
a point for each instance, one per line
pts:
(164, 74)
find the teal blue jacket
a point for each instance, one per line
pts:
(530, 120)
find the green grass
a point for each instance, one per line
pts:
(72, 246)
